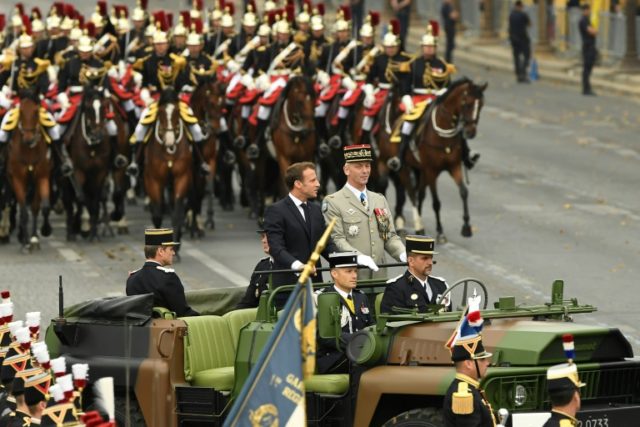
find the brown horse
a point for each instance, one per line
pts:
(90, 151)
(207, 102)
(121, 182)
(292, 125)
(29, 170)
(168, 163)
(452, 118)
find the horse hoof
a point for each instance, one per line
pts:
(324, 151)
(71, 237)
(253, 151)
(239, 142)
(25, 250)
(210, 224)
(335, 142)
(123, 230)
(116, 216)
(45, 230)
(58, 207)
(4, 240)
(84, 234)
(420, 232)
(442, 239)
(400, 223)
(466, 231)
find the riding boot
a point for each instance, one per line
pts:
(132, 120)
(253, 150)
(468, 160)
(66, 167)
(205, 169)
(365, 137)
(119, 161)
(240, 140)
(226, 148)
(133, 169)
(337, 140)
(395, 163)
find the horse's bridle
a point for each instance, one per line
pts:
(172, 148)
(458, 122)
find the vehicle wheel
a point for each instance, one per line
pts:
(134, 418)
(424, 417)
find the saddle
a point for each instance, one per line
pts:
(152, 115)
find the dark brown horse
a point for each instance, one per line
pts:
(452, 117)
(90, 151)
(29, 170)
(292, 125)
(168, 164)
(121, 182)
(207, 102)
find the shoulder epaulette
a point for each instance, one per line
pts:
(131, 273)
(395, 279)
(138, 64)
(439, 278)
(261, 48)
(166, 269)
(462, 400)
(567, 423)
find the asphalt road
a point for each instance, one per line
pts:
(555, 196)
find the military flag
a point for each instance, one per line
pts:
(274, 393)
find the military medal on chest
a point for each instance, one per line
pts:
(384, 222)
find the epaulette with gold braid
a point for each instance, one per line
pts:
(462, 400)
(42, 65)
(139, 64)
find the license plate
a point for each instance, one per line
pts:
(609, 417)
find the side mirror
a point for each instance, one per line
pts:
(329, 315)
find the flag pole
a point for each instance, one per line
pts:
(315, 256)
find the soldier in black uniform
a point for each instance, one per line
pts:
(315, 44)
(355, 314)
(214, 36)
(563, 385)
(464, 402)
(588, 34)
(416, 288)
(107, 47)
(155, 277)
(133, 40)
(258, 282)
(36, 390)
(248, 32)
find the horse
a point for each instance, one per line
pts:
(90, 152)
(121, 182)
(207, 102)
(29, 169)
(292, 126)
(453, 116)
(168, 163)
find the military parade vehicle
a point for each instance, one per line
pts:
(186, 372)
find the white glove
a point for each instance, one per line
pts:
(247, 81)
(233, 66)
(367, 261)
(403, 257)
(76, 89)
(137, 78)
(263, 82)
(323, 78)
(348, 83)
(113, 73)
(145, 97)
(187, 88)
(297, 265)
(369, 98)
(6, 90)
(52, 73)
(63, 99)
(408, 103)
(5, 101)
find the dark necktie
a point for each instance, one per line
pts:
(307, 216)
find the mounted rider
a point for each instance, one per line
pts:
(245, 36)
(162, 70)
(179, 34)
(106, 46)
(285, 58)
(317, 41)
(49, 46)
(213, 38)
(85, 69)
(28, 73)
(303, 24)
(390, 70)
(355, 63)
(133, 40)
(327, 67)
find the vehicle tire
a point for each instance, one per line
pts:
(135, 417)
(423, 417)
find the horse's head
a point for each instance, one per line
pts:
(471, 102)
(29, 123)
(208, 104)
(300, 97)
(93, 114)
(169, 128)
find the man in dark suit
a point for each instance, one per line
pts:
(354, 315)
(259, 282)
(156, 278)
(416, 288)
(294, 225)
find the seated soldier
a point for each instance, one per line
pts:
(355, 314)
(155, 277)
(259, 282)
(416, 288)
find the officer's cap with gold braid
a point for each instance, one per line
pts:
(159, 237)
(357, 153)
(343, 259)
(466, 341)
(420, 245)
(564, 377)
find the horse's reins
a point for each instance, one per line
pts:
(293, 128)
(171, 149)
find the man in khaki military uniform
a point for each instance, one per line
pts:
(364, 221)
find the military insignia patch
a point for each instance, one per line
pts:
(351, 211)
(353, 230)
(364, 310)
(414, 297)
(325, 206)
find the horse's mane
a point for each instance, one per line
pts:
(461, 81)
(307, 82)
